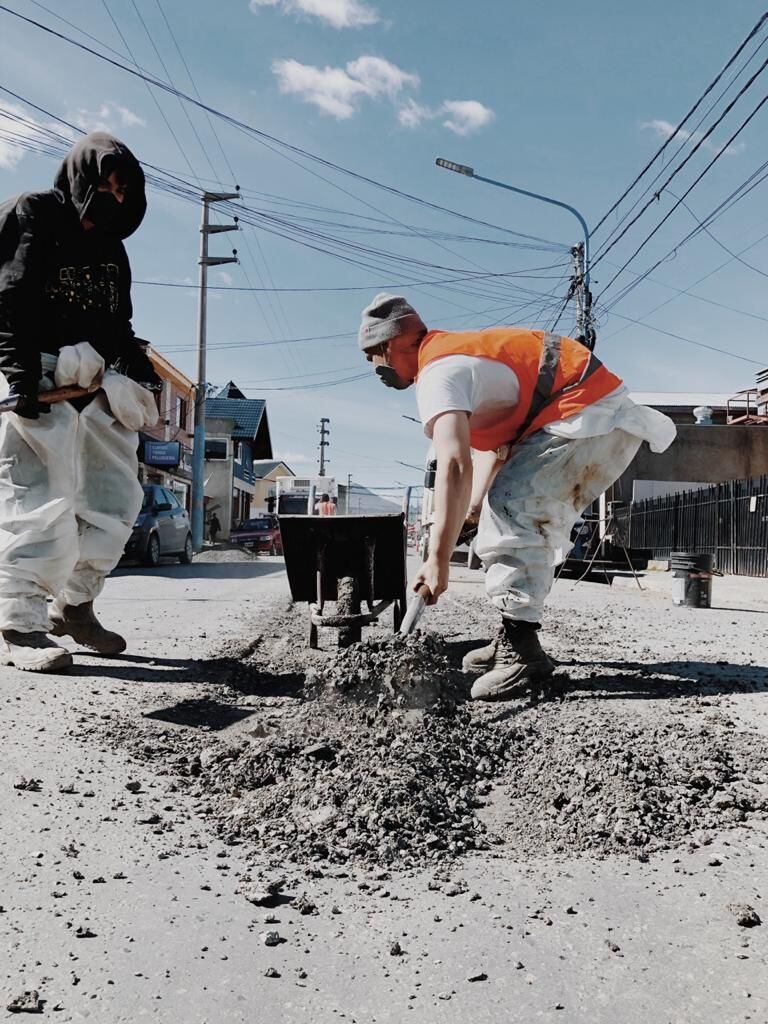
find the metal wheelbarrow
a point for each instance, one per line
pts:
(349, 560)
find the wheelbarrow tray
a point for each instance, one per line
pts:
(320, 550)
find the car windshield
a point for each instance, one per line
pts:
(256, 524)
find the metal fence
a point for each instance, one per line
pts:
(729, 521)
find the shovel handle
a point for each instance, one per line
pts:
(423, 592)
(64, 394)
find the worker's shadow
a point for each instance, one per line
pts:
(635, 680)
(233, 675)
(632, 680)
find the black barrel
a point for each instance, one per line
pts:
(693, 578)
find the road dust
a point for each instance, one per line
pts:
(373, 755)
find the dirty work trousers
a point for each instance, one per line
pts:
(69, 496)
(527, 517)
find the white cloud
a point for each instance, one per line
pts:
(413, 114)
(109, 117)
(338, 13)
(466, 116)
(13, 135)
(294, 457)
(331, 90)
(461, 116)
(19, 132)
(225, 278)
(665, 130)
(338, 91)
(381, 78)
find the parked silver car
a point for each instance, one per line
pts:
(162, 528)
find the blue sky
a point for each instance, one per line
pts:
(569, 101)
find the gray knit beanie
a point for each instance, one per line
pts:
(386, 318)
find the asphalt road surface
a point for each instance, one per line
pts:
(120, 903)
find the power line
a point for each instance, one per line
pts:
(266, 137)
(689, 341)
(680, 166)
(680, 126)
(688, 191)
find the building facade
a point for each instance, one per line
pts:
(237, 436)
(165, 451)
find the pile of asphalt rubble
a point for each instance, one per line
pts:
(384, 762)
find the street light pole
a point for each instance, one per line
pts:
(198, 452)
(581, 269)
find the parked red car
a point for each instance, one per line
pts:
(262, 534)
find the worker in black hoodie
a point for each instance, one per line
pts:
(69, 490)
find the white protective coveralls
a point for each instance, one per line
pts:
(69, 490)
(540, 492)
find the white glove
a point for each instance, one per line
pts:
(130, 403)
(78, 364)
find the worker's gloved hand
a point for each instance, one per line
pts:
(24, 403)
(131, 403)
(78, 364)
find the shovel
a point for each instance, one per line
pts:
(415, 610)
(50, 397)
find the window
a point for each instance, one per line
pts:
(181, 412)
(216, 449)
(171, 498)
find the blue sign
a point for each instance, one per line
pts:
(162, 453)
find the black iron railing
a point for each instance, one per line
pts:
(729, 521)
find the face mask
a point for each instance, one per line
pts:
(390, 379)
(104, 211)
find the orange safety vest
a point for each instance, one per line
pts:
(558, 377)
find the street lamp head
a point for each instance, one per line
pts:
(449, 165)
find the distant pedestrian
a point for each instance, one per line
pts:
(325, 507)
(214, 527)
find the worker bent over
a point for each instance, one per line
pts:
(69, 490)
(551, 428)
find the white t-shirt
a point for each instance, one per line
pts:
(481, 387)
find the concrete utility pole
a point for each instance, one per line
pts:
(324, 432)
(349, 493)
(198, 454)
(580, 281)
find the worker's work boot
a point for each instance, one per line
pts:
(518, 664)
(32, 652)
(79, 622)
(481, 659)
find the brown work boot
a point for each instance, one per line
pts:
(518, 663)
(481, 659)
(32, 652)
(79, 622)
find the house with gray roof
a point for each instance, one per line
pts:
(237, 439)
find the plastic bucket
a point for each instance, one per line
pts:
(692, 585)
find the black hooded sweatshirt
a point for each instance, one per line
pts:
(61, 284)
